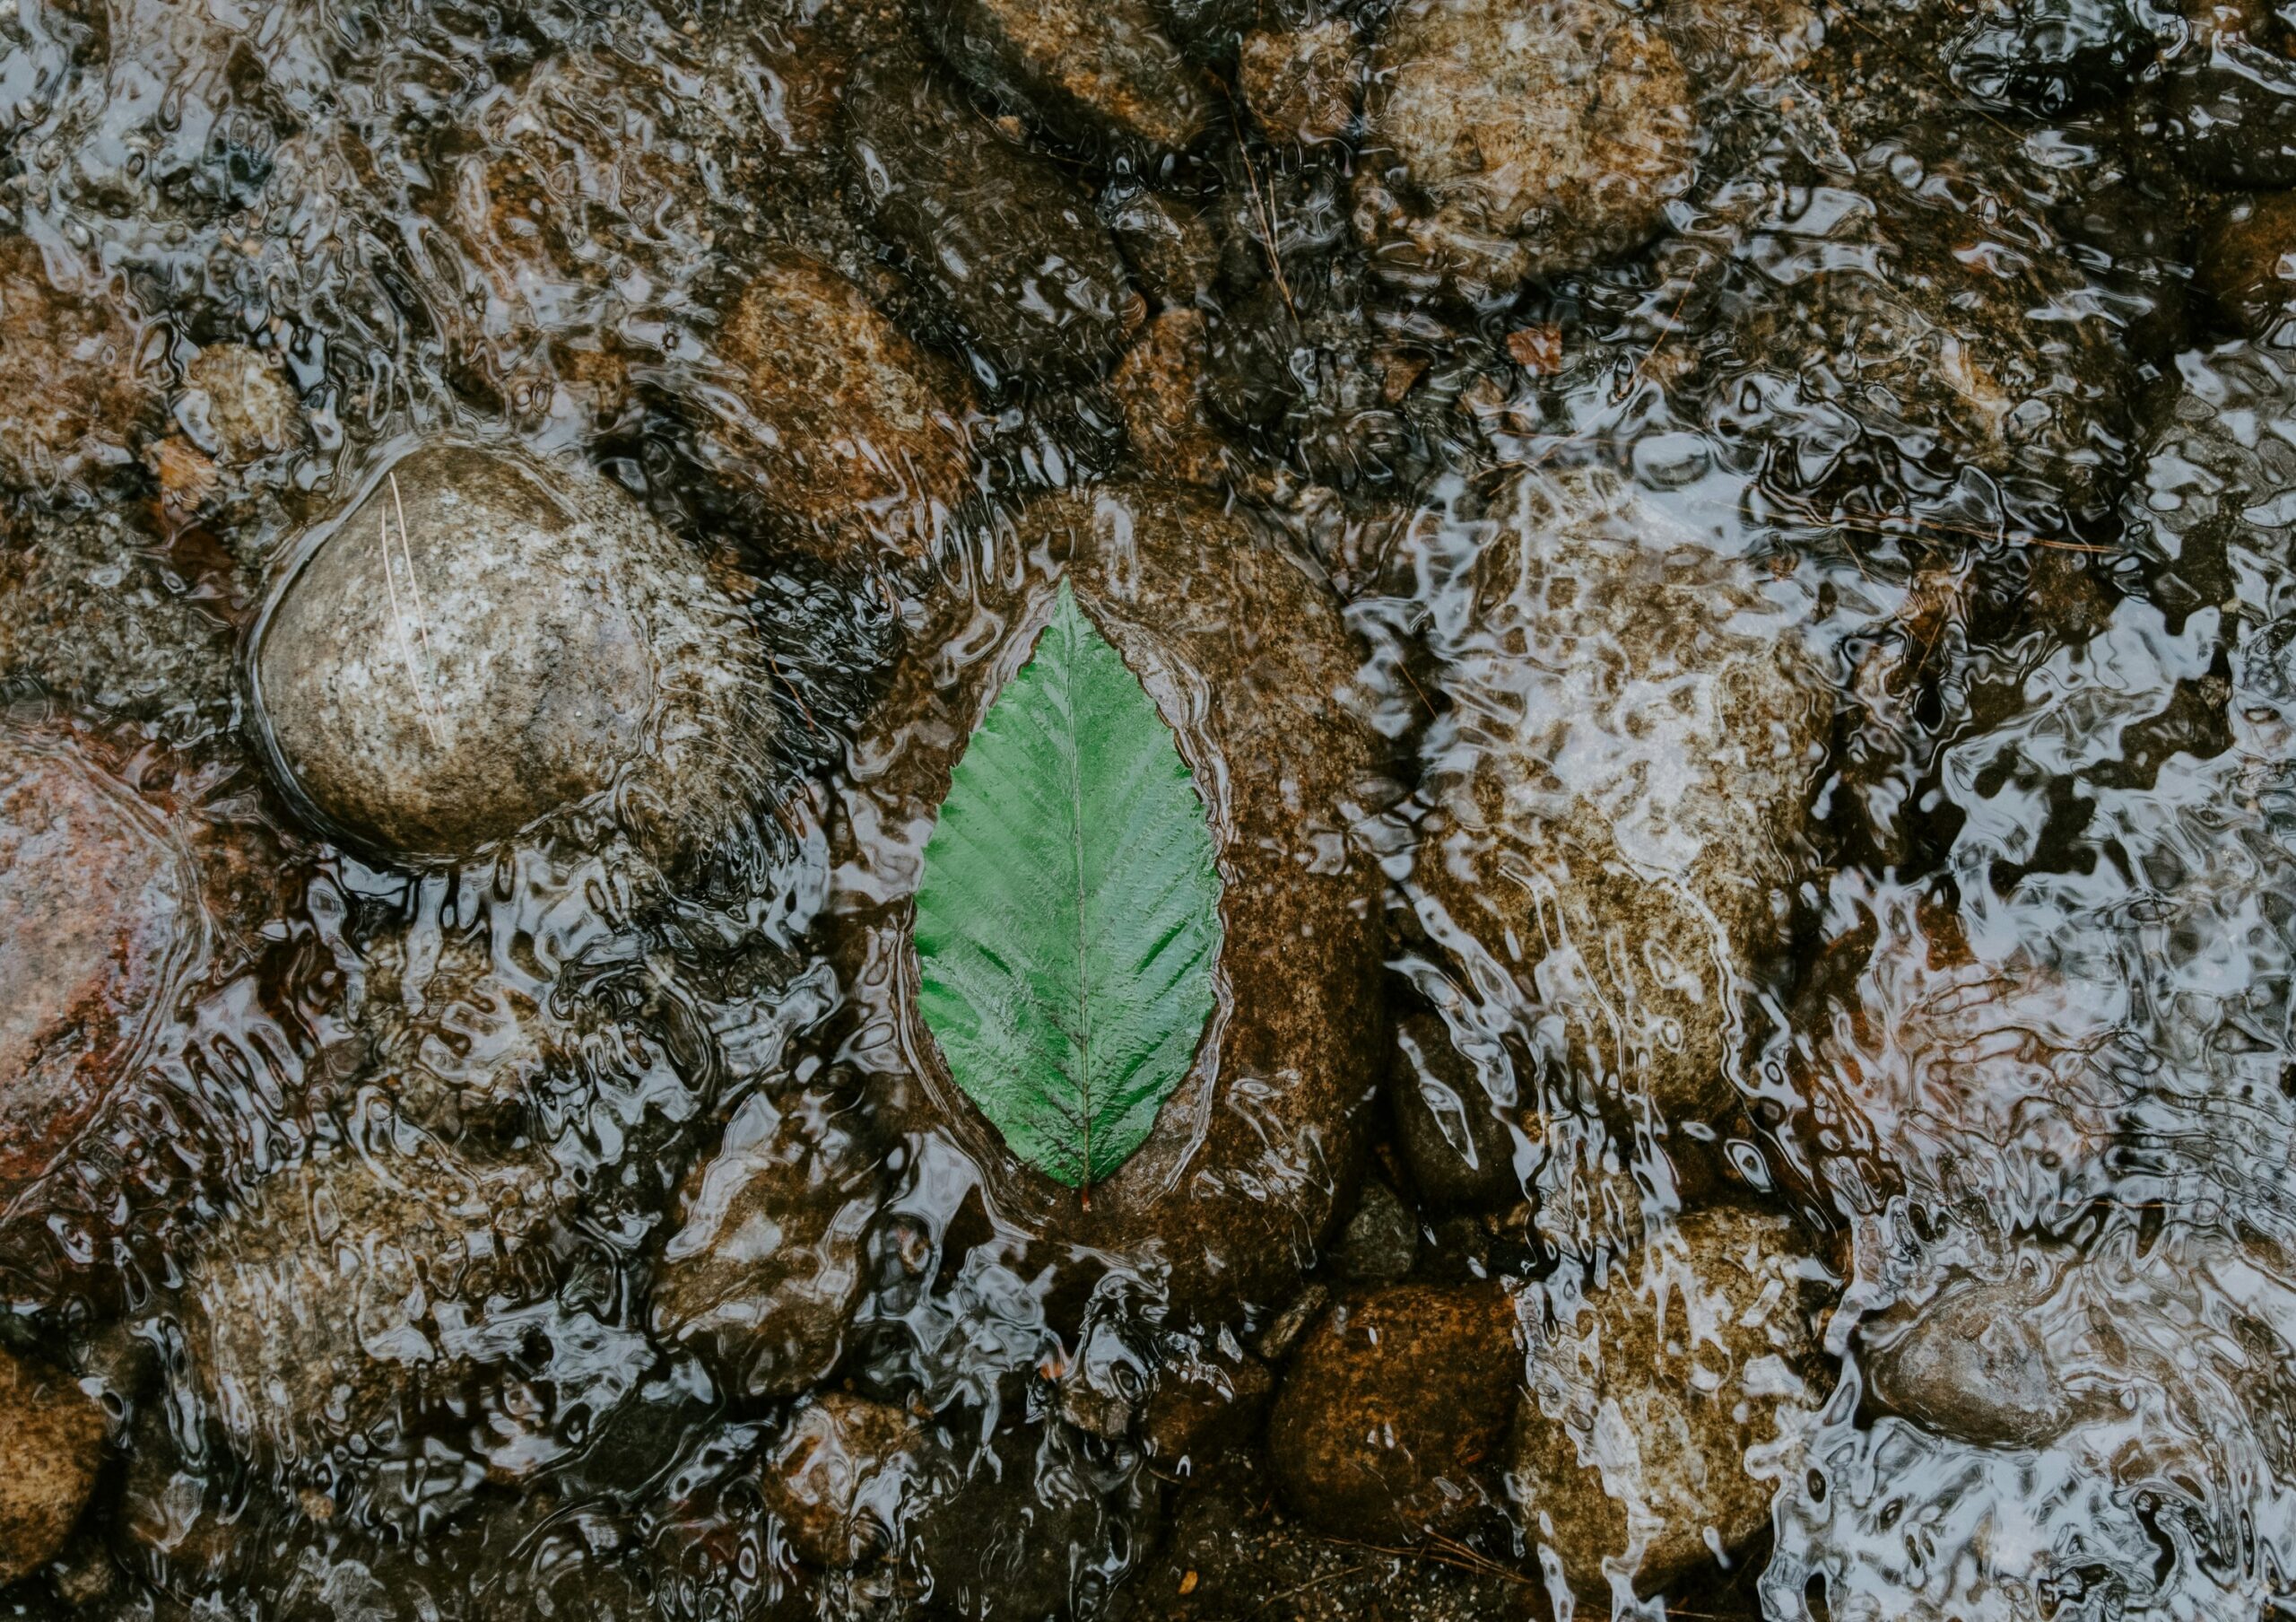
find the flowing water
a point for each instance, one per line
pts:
(1724, 572)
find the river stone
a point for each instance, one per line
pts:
(2245, 260)
(1169, 242)
(349, 1298)
(2232, 97)
(1010, 245)
(1973, 1366)
(855, 433)
(763, 1270)
(1459, 1148)
(1300, 83)
(88, 610)
(99, 912)
(844, 1476)
(236, 406)
(1618, 795)
(1241, 646)
(1505, 141)
(76, 396)
(1645, 1397)
(527, 639)
(1391, 1422)
(1102, 76)
(51, 1443)
(1158, 388)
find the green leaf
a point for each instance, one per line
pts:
(1069, 911)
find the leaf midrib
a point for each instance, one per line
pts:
(1074, 755)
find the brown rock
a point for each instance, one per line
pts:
(1004, 240)
(100, 909)
(1973, 1365)
(77, 398)
(1693, 1351)
(1169, 243)
(2245, 260)
(852, 435)
(1504, 143)
(236, 406)
(483, 640)
(347, 1299)
(51, 1442)
(844, 1476)
(1301, 86)
(1391, 1422)
(1618, 799)
(764, 1271)
(1241, 646)
(1157, 386)
(1203, 1406)
(1097, 74)
(1460, 1147)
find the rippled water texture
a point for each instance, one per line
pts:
(1722, 574)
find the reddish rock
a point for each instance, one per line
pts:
(75, 397)
(99, 909)
(1392, 1421)
(851, 434)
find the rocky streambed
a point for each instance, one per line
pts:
(1217, 809)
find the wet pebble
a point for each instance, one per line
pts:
(2245, 260)
(237, 407)
(100, 909)
(94, 613)
(483, 640)
(1301, 86)
(354, 1300)
(78, 398)
(1647, 1399)
(851, 434)
(1158, 387)
(51, 1445)
(1168, 241)
(1099, 75)
(1390, 1423)
(1009, 243)
(1974, 1366)
(763, 1270)
(1618, 806)
(1504, 143)
(1458, 1144)
(845, 1475)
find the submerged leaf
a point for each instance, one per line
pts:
(1069, 911)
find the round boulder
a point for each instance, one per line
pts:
(1392, 1420)
(1238, 646)
(484, 640)
(1646, 1398)
(100, 909)
(1506, 142)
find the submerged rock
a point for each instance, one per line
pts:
(1159, 388)
(51, 1443)
(351, 1301)
(1503, 143)
(1390, 1423)
(1616, 802)
(100, 914)
(1648, 1398)
(91, 611)
(77, 397)
(236, 406)
(1973, 1365)
(484, 640)
(1458, 1144)
(846, 1474)
(2245, 260)
(1011, 246)
(1169, 242)
(1241, 645)
(2232, 97)
(1099, 75)
(1301, 84)
(856, 434)
(764, 1271)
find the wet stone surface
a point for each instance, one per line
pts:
(1721, 574)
